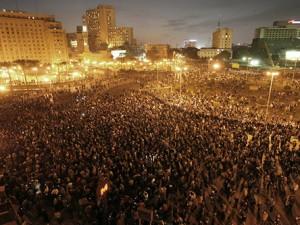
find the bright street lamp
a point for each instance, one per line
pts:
(254, 62)
(3, 88)
(216, 66)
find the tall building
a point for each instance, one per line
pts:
(222, 38)
(78, 41)
(272, 43)
(119, 36)
(280, 30)
(27, 36)
(99, 21)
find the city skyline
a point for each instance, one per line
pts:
(158, 22)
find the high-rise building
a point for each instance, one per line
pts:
(78, 41)
(119, 36)
(222, 38)
(273, 42)
(280, 30)
(27, 36)
(99, 21)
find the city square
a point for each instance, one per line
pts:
(97, 128)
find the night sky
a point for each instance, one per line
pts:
(173, 21)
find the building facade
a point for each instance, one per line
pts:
(27, 36)
(222, 38)
(207, 53)
(78, 41)
(157, 51)
(271, 43)
(118, 36)
(99, 21)
(278, 32)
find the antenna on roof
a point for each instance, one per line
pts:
(219, 23)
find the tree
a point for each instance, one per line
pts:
(238, 52)
(26, 65)
(191, 52)
(223, 56)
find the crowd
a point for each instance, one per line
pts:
(226, 95)
(187, 167)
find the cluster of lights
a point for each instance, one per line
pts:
(3, 88)
(273, 73)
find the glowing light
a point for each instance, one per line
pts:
(178, 68)
(76, 74)
(104, 190)
(216, 66)
(84, 29)
(74, 44)
(46, 80)
(254, 62)
(293, 55)
(118, 53)
(294, 22)
(3, 88)
(273, 73)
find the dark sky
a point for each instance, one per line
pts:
(173, 21)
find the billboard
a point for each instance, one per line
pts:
(293, 55)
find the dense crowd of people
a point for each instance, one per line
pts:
(223, 95)
(97, 157)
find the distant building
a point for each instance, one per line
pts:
(207, 53)
(222, 38)
(190, 44)
(99, 21)
(272, 43)
(157, 51)
(280, 30)
(78, 42)
(27, 36)
(118, 36)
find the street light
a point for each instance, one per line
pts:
(3, 88)
(254, 63)
(272, 74)
(293, 55)
(216, 66)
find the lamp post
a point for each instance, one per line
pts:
(272, 74)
